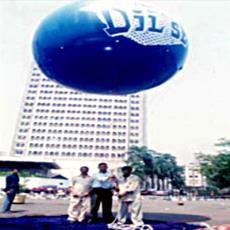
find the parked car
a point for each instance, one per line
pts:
(38, 189)
(225, 193)
(148, 192)
(161, 193)
(52, 189)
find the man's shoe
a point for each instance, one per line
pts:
(71, 220)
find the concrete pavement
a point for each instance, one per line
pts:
(212, 212)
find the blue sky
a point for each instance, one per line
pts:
(187, 114)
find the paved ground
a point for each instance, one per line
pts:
(212, 212)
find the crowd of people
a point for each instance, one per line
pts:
(89, 192)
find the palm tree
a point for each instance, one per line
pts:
(150, 164)
(141, 159)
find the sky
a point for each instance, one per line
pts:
(185, 115)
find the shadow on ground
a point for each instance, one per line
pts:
(61, 223)
(174, 217)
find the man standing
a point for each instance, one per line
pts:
(129, 195)
(12, 187)
(102, 185)
(79, 201)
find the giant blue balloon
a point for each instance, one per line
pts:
(109, 46)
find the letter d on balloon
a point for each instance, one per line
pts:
(114, 29)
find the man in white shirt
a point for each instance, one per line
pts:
(102, 185)
(129, 195)
(79, 200)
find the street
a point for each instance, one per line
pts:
(212, 212)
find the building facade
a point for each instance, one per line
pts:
(65, 125)
(193, 177)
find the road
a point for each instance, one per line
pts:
(212, 212)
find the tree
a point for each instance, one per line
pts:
(216, 168)
(167, 168)
(150, 164)
(141, 159)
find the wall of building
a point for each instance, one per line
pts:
(61, 124)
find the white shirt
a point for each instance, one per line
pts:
(129, 184)
(81, 184)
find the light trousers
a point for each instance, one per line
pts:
(136, 211)
(8, 200)
(78, 207)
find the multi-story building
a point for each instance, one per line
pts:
(193, 177)
(65, 125)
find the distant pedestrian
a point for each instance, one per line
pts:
(79, 200)
(11, 189)
(102, 186)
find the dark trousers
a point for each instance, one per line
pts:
(104, 196)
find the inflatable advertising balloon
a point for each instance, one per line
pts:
(109, 46)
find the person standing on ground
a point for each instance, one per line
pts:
(102, 186)
(129, 195)
(79, 200)
(11, 189)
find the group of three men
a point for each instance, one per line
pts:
(87, 193)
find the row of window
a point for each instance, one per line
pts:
(76, 105)
(71, 98)
(27, 116)
(56, 124)
(134, 108)
(134, 127)
(52, 98)
(120, 101)
(135, 102)
(48, 85)
(33, 86)
(133, 141)
(80, 154)
(27, 110)
(44, 117)
(19, 151)
(71, 111)
(32, 91)
(62, 118)
(81, 139)
(134, 134)
(21, 137)
(78, 118)
(23, 130)
(34, 79)
(72, 146)
(36, 74)
(79, 105)
(60, 131)
(134, 121)
(120, 107)
(24, 123)
(30, 98)
(19, 144)
(134, 95)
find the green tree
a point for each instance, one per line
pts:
(141, 159)
(167, 168)
(150, 164)
(216, 168)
